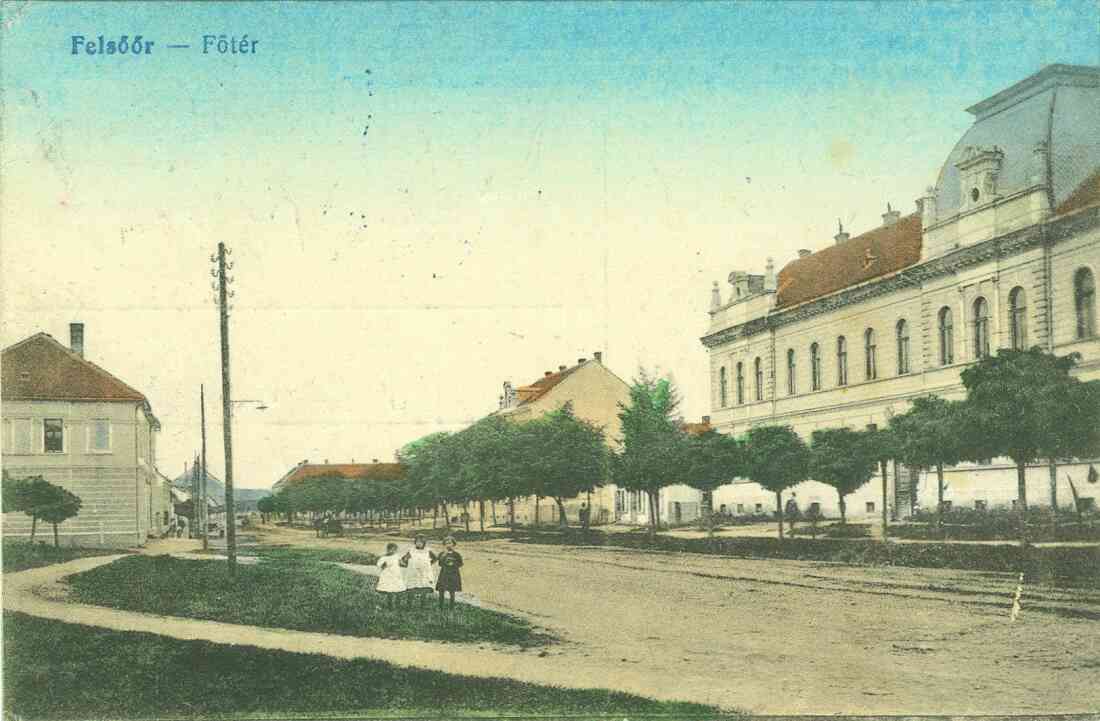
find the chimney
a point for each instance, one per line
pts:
(804, 252)
(769, 274)
(547, 374)
(715, 297)
(841, 236)
(326, 461)
(561, 368)
(76, 338)
(706, 420)
(598, 355)
(374, 460)
(928, 207)
(890, 216)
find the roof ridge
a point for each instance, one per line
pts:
(81, 359)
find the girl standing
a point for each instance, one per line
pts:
(419, 575)
(391, 582)
(450, 579)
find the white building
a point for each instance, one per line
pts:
(76, 425)
(1003, 251)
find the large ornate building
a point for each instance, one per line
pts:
(1004, 251)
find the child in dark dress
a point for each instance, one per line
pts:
(450, 578)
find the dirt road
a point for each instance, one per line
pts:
(794, 637)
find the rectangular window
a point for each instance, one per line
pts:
(99, 436)
(814, 509)
(759, 507)
(980, 505)
(947, 505)
(53, 438)
(22, 436)
(870, 506)
(740, 507)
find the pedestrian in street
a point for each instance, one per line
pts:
(450, 578)
(181, 525)
(419, 574)
(791, 512)
(391, 580)
(586, 517)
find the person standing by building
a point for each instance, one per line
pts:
(791, 512)
(586, 517)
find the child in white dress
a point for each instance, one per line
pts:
(391, 580)
(419, 574)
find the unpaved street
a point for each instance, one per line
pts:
(792, 637)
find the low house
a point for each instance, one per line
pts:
(73, 423)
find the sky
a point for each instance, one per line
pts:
(425, 200)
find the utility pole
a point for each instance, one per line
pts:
(227, 406)
(205, 508)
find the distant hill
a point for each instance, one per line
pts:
(244, 498)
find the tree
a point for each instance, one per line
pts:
(566, 456)
(714, 459)
(930, 435)
(776, 458)
(1025, 405)
(58, 506)
(882, 443)
(267, 507)
(843, 459)
(653, 450)
(430, 464)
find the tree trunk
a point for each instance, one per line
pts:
(939, 499)
(536, 511)
(885, 498)
(447, 515)
(34, 526)
(779, 512)
(843, 509)
(466, 515)
(493, 506)
(708, 508)
(481, 518)
(1052, 465)
(562, 520)
(56, 544)
(654, 512)
(512, 514)
(435, 514)
(1021, 503)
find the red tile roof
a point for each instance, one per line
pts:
(1086, 194)
(362, 471)
(882, 251)
(696, 429)
(531, 393)
(40, 368)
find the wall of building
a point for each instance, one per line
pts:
(115, 487)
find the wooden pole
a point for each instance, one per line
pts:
(227, 414)
(202, 484)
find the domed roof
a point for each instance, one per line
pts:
(1060, 107)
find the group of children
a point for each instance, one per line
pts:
(413, 575)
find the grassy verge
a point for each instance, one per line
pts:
(55, 670)
(1061, 566)
(287, 594)
(20, 555)
(307, 554)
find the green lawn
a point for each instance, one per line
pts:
(301, 553)
(55, 670)
(20, 555)
(300, 595)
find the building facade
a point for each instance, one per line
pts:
(76, 425)
(1002, 252)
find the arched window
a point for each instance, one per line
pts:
(981, 328)
(740, 383)
(903, 347)
(792, 386)
(815, 367)
(1017, 318)
(1084, 297)
(841, 361)
(869, 362)
(758, 371)
(722, 386)
(947, 337)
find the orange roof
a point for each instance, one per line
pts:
(696, 429)
(40, 368)
(884, 250)
(531, 393)
(1086, 194)
(361, 471)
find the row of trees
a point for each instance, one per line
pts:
(1024, 405)
(39, 499)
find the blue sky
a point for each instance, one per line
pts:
(510, 187)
